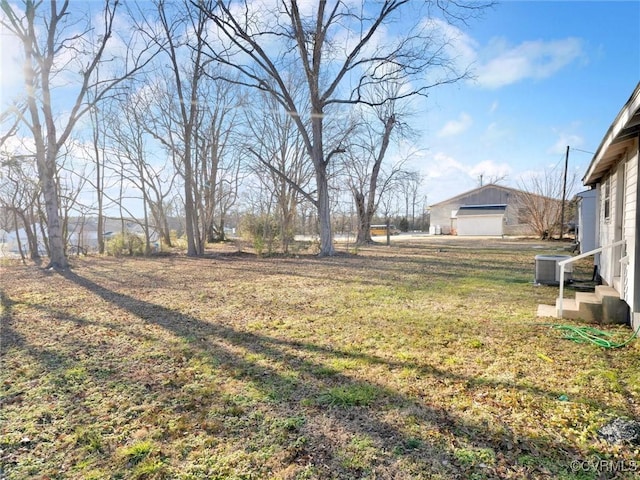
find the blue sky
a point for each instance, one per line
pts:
(548, 74)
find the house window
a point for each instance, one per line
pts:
(607, 198)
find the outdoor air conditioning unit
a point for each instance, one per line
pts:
(548, 270)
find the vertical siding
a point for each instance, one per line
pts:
(607, 227)
(441, 215)
(631, 212)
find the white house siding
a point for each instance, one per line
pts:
(621, 224)
(587, 211)
(607, 228)
(617, 160)
(621, 212)
(630, 233)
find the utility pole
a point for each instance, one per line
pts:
(564, 192)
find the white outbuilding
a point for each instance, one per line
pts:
(482, 220)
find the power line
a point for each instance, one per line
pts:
(583, 151)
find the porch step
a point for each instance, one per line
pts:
(586, 307)
(602, 306)
(603, 291)
(614, 309)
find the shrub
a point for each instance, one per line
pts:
(125, 244)
(262, 231)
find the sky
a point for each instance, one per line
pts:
(548, 74)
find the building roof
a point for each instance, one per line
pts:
(475, 191)
(587, 193)
(618, 138)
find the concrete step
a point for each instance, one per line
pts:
(589, 306)
(603, 306)
(570, 308)
(603, 291)
(614, 309)
(585, 307)
(587, 297)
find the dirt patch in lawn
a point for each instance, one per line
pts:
(419, 360)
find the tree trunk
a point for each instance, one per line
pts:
(43, 231)
(46, 153)
(366, 212)
(166, 232)
(387, 223)
(189, 208)
(32, 239)
(29, 231)
(99, 181)
(324, 214)
(322, 184)
(147, 235)
(46, 171)
(58, 259)
(100, 228)
(15, 221)
(364, 221)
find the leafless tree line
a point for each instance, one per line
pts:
(198, 107)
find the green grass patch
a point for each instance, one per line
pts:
(350, 396)
(417, 361)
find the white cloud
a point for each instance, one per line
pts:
(537, 59)
(455, 127)
(498, 63)
(445, 176)
(490, 170)
(459, 45)
(564, 139)
(442, 165)
(11, 66)
(494, 135)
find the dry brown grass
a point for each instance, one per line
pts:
(415, 361)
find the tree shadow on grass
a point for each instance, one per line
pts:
(322, 396)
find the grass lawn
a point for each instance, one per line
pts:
(416, 361)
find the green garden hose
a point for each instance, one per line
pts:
(593, 335)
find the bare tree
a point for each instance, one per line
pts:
(127, 135)
(263, 45)
(230, 179)
(19, 198)
(410, 186)
(71, 180)
(540, 204)
(185, 120)
(483, 179)
(97, 140)
(218, 161)
(281, 166)
(368, 150)
(54, 47)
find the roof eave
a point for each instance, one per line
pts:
(619, 135)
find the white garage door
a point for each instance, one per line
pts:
(488, 225)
